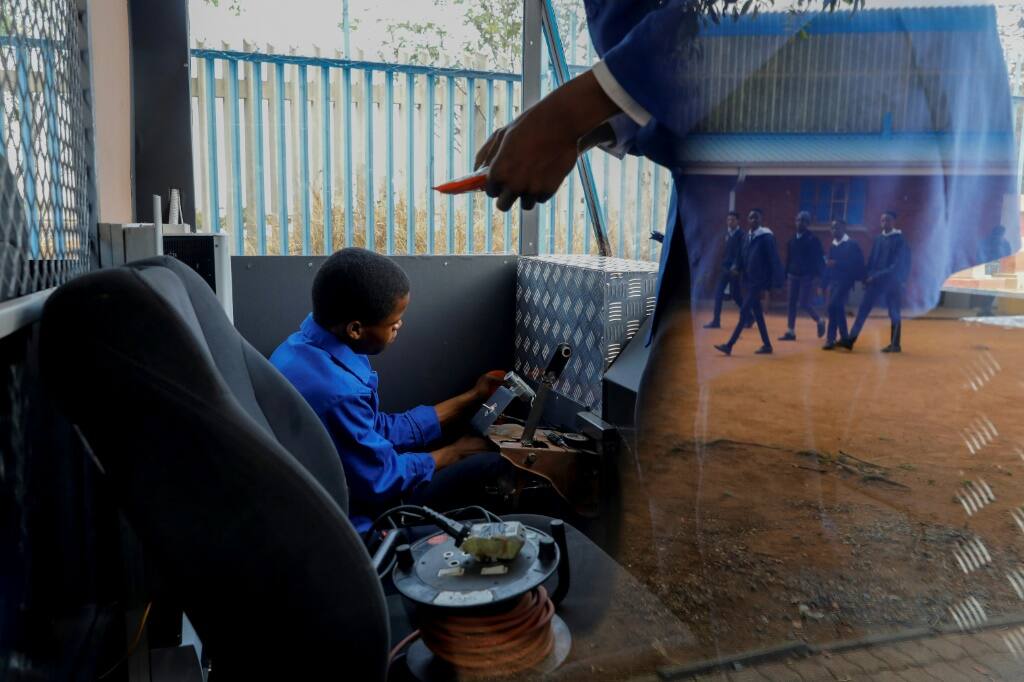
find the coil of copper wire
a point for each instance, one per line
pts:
(504, 644)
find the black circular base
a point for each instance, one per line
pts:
(443, 576)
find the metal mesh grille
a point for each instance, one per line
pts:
(44, 209)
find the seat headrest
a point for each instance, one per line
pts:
(222, 470)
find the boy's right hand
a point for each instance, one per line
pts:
(459, 450)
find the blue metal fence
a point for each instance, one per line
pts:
(312, 159)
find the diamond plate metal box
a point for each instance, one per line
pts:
(595, 304)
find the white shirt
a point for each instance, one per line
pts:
(845, 238)
(891, 233)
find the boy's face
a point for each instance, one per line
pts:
(887, 223)
(754, 220)
(731, 222)
(838, 230)
(372, 339)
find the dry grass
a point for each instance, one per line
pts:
(317, 245)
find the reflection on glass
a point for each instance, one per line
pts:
(781, 494)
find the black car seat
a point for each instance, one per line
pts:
(226, 475)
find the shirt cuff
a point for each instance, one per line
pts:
(624, 130)
(618, 95)
(421, 465)
(424, 420)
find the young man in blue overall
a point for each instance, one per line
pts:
(729, 277)
(804, 263)
(887, 272)
(844, 267)
(359, 298)
(761, 271)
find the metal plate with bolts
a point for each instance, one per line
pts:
(439, 574)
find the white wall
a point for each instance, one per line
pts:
(111, 96)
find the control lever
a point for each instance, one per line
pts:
(559, 359)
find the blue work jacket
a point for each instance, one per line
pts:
(382, 454)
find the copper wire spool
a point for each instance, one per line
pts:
(506, 643)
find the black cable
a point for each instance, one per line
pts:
(487, 515)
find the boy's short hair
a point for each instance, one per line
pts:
(840, 221)
(804, 215)
(734, 214)
(356, 284)
(891, 214)
(757, 211)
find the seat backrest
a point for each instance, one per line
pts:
(225, 473)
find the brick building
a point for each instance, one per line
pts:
(848, 115)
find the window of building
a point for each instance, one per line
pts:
(833, 198)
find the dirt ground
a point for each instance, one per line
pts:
(815, 495)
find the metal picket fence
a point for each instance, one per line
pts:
(304, 155)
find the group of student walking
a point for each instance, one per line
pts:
(751, 266)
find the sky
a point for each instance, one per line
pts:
(304, 25)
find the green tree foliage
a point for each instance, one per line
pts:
(234, 6)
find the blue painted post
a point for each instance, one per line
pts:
(370, 220)
(552, 221)
(430, 163)
(257, 112)
(639, 207)
(410, 163)
(236, 158)
(282, 166)
(303, 95)
(350, 183)
(570, 214)
(211, 141)
(622, 207)
(53, 151)
(450, 217)
(509, 115)
(25, 120)
(655, 191)
(587, 228)
(389, 160)
(470, 116)
(604, 190)
(325, 160)
(489, 234)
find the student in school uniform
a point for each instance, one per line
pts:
(804, 263)
(887, 272)
(844, 267)
(729, 278)
(761, 270)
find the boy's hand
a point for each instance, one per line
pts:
(486, 385)
(530, 157)
(462, 448)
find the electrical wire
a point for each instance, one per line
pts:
(406, 641)
(133, 646)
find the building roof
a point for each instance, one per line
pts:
(927, 151)
(919, 70)
(958, 18)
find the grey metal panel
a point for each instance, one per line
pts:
(460, 323)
